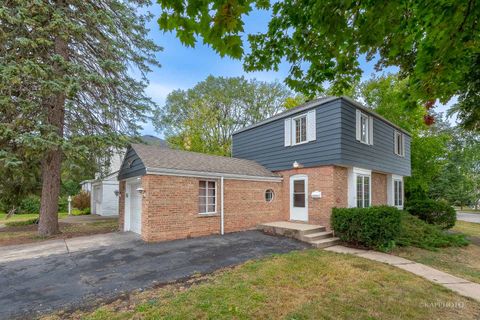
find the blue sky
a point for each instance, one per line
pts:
(183, 67)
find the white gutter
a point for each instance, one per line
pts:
(221, 208)
(202, 174)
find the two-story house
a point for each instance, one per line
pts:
(295, 166)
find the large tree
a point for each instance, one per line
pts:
(459, 181)
(66, 81)
(435, 44)
(203, 118)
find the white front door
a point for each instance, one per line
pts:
(299, 197)
(135, 209)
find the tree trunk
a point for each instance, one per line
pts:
(52, 162)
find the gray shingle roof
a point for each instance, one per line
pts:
(155, 157)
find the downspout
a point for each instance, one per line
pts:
(221, 208)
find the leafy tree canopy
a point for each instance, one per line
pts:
(435, 44)
(203, 118)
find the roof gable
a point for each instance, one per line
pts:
(155, 159)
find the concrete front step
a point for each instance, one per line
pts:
(316, 235)
(324, 243)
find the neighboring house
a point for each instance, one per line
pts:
(298, 165)
(104, 188)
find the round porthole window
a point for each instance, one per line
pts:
(269, 195)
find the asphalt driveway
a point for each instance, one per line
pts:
(76, 278)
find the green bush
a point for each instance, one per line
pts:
(374, 227)
(30, 204)
(22, 222)
(63, 204)
(417, 233)
(434, 212)
(78, 212)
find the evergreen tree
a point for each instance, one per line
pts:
(67, 82)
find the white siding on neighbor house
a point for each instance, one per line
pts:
(110, 200)
(103, 200)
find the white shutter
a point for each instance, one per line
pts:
(311, 126)
(288, 132)
(370, 130)
(358, 124)
(403, 144)
(395, 142)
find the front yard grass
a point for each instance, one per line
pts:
(27, 234)
(463, 262)
(308, 284)
(469, 228)
(23, 217)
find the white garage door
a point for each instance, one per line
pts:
(135, 209)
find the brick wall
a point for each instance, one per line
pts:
(170, 204)
(379, 189)
(245, 204)
(330, 180)
(170, 207)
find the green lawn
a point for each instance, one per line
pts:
(28, 234)
(21, 217)
(309, 284)
(468, 228)
(463, 262)
(468, 210)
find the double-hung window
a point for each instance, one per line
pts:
(363, 190)
(398, 193)
(207, 193)
(364, 128)
(399, 144)
(300, 129)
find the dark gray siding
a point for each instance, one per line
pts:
(131, 166)
(265, 144)
(335, 144)
(378, 157)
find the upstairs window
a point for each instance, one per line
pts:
(300, 129)
(399, 144)
(207, 197)
(364, 128)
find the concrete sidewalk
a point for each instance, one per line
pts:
(468, 217)
(461, 286)
(64, 246)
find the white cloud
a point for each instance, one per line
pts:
(159, 91)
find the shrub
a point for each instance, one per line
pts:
(22, 222)
(434, 212)
(30, 204)
(63, 204)
(81, 201)
(78, 212)
(374, 227)
(417, 233)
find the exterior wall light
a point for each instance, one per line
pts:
(117, 193)
(296, 165)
